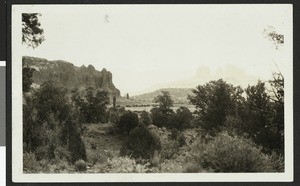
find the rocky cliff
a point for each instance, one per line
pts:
(69, 75)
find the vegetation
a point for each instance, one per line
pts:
(214, 101)
(32, 33)
(128, 121)
(141, 143)
(225, 153)
(232, 130)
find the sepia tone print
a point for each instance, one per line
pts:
(115, 90)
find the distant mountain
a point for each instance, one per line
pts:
(230, 73)
(69, 75)
(179, 95)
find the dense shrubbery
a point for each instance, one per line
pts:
(141, 143)
(221, 106)
(128, 121)
(225, 153)
(51, 126)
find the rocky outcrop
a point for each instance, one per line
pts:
(69, 75)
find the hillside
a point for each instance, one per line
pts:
(179, 95)
(69, 75)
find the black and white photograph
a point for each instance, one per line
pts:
(118, 93)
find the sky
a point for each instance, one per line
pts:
(154, 46)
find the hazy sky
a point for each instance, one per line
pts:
(151, 45)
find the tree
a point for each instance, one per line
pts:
(158, 117)
(95, 105)
(277, 84)
(264, 119)
(163, 113)
(258, 118)
(165, 102)
(27, 78)
(32, 33)
(128, 121)
(214, 101)
(183, 118)
(51, 124)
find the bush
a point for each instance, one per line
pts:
(115, 114)
(80, 165)
(158, 118)
(178, 136)
(226, 153)
(128, 121)
(274, 162)
(141, 143)
(169, 148)
(126, 165)
(145, 118)
(30, 163)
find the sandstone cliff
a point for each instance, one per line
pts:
(69, 75)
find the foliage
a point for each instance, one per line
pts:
(80, 165)
(225, 153)
(158, 118)
(275, 162)
(145, 118)
(141, 143)
(94, 105)
(128, 121)
(27, 78)
(127, 165)
(178, 136)
(51, 126)
(32, 33)
(264, 120)
(214, 101)
(30, 163)
(114, 114)
(180, 120)
(169, 148)
(165, 102)
(277, 85)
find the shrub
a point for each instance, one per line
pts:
(128, 121)
(80, 165)
(30, 163)
(158, 118)
(140, 143)
(115, 114)
(145, 118)
(126, 165)
(194, 169)
(169, 148)
(61, 152)
(178, 136)
(274, 162)
(226, 153)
